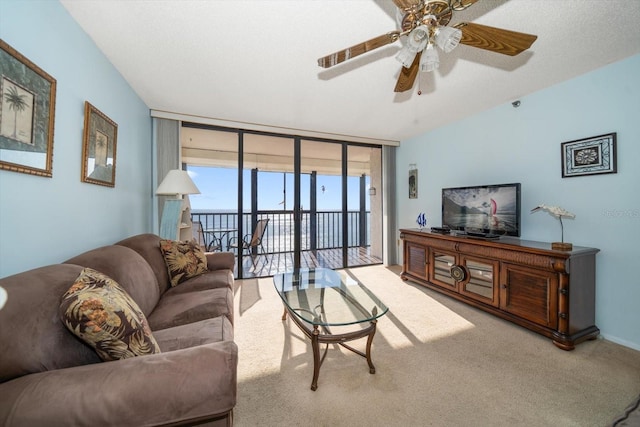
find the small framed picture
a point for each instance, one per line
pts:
(589, 156)
(98, 147)
(413, 183)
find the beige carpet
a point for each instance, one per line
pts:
(438, 363)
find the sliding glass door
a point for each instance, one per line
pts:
(280, 202)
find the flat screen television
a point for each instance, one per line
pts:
(489, 209)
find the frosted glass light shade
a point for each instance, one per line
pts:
(430, 59)
(418, 38)
(406, 57)
(177, 182)
(447, 38)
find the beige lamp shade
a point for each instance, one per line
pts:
(177, 182)
(3, 297)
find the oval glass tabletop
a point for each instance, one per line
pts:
(327, 297)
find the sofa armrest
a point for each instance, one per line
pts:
(220, 260)
(169, 388)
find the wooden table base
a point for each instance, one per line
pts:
(326, 337)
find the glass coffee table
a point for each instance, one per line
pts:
(319, 299)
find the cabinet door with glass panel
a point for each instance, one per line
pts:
(474, 277)
(481, 281)
(440, 264)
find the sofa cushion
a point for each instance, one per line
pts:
(128, 268)
(194, 334)
(148, 247)
(180, 308)
(191, 386)
(102, 314)
(184, 260)
(209, 280)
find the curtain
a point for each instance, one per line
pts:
(390, 223)
(167, 157)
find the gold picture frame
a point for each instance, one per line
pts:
(99, 145)
(27, 114)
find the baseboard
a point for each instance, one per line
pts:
(617, 340)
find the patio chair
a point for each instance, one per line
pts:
(199, 236)
(251, 241)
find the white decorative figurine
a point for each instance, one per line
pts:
(557, 212)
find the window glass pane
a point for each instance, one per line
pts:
(322, 160)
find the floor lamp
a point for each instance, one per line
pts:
(175, 213)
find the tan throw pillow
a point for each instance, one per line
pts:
(103, 315)
(184, 260)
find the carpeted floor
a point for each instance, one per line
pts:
(438, 363)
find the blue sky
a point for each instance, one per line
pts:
(218, 190)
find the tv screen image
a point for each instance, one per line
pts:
(493, 209)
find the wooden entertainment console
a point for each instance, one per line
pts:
(547, 291)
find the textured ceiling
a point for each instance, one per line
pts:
(256, 61)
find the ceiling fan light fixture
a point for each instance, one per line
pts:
(447, 38)
(429, 61)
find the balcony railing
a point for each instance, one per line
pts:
(322, 230)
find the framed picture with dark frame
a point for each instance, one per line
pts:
(589, 156)
(413, 182)
(27, 114)
(98, 147)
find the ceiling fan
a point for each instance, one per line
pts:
(423, 27)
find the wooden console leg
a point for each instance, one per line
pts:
(564, 346)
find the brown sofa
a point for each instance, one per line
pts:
(50, 377)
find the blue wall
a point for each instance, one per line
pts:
(48, 220)
(507, 144)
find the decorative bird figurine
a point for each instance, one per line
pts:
(557, 212)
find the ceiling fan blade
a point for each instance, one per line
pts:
(406, 4)
(495, 39)
(408, 75)
(462, 4)
(359, 49)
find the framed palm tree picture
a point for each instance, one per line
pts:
(27, 114)
(99, 147)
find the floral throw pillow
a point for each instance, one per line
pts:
(184, 260)
(101, 313)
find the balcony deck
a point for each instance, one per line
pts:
(274, 263)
